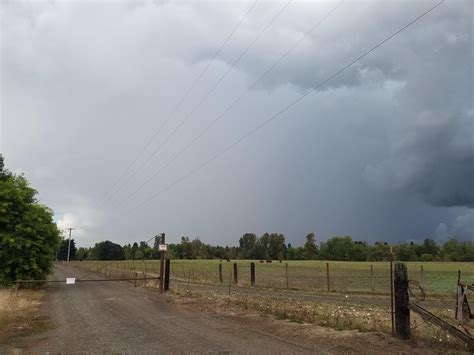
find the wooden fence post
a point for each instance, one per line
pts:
(252, 273)
(221, 279)
(402, 311)
(236, 277)
(328, 281)
(372, 278)
(286, 272)
(135, 284)
(167, 274)
(422, 277)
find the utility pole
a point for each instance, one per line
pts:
(69, 245)
(162, 261)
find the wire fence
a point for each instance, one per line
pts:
(437, 279)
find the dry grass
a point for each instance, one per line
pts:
(19, 316)
(365, 318)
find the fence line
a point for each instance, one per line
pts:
(334, 277)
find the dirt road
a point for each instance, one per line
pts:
(116, 317)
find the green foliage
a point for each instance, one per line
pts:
(454, 250)
(62, 252)
(310, 248)
(109, 251)
(343, 248)
(28, 235)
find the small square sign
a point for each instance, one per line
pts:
(163, 247)
(70, 280)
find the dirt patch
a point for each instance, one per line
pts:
(20, 317)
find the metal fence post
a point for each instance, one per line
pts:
(220, 274)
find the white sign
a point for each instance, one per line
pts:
(163, 247)
(70, 280)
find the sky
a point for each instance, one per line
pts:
(127, 117)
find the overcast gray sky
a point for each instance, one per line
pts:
(383, 151)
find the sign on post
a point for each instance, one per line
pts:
(70, 280)
(163, 247)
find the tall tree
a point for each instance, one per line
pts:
(28, 236)
(63, 247)
(247, 245)
(109, 251)
(276, 246)
(310, 248)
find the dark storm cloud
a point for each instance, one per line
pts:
(84, 85)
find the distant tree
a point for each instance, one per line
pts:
(380, 251)
(310, 248)
(28, 236)
(198, 249)
(82, 254)
(455, 250)
(63, 247)
(294, 253)
(406, 252)
(134, 250)
(127, 250)
(109, 251)
(343, 248)
(247, 245)
(276, 246)
(429, 246)
(139, 255)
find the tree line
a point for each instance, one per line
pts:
(272, 246)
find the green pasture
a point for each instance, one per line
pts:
(437, 278)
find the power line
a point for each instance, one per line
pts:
(228, 108)
(176, 107)
(286, 108)
(209, 92)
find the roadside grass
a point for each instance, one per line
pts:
(363, 318)
(20, 316)
(438, 279)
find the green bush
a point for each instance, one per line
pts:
(28, 235)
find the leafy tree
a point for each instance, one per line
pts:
(406, 252)
(63, 247)
(343, 248)
(276, 246)
(455, 250)
(380, 251)
(139, 255)
(294, 253)
(247, 245)
(134, 250)
(109, 251)
(310, 248)
(127, 250)
(82, 253)
(28, 236)
(198, 249)
(429, 246)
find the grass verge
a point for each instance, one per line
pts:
(20, 317)
(363, 318)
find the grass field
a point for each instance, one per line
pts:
(437, 278)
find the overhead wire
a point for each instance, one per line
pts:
(209, 92)
(176, 107)
(228, 108)
(290, 105)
